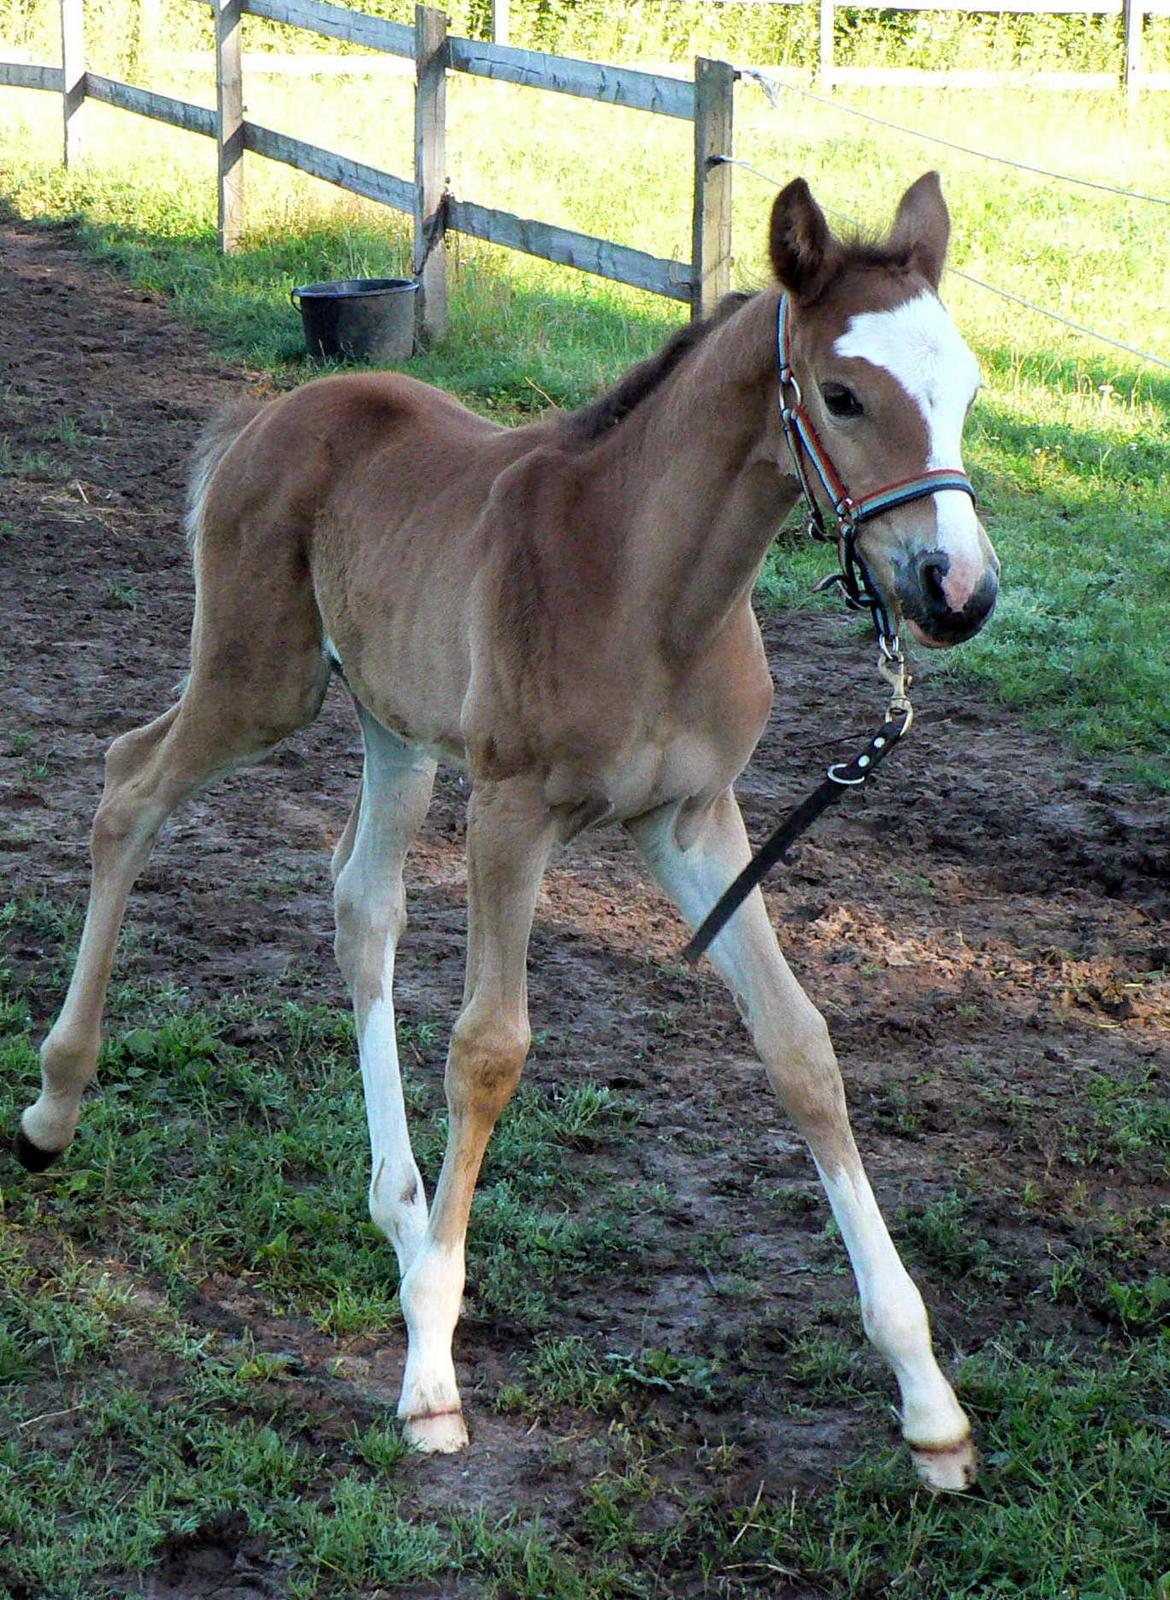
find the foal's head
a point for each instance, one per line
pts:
(887, 381)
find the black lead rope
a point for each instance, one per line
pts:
(840, 778)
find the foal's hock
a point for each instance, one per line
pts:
(565, 609)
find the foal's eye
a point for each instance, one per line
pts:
(840, 401)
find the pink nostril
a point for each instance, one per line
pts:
(948, 582)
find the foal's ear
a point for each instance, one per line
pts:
(805, 253)
(923, 226)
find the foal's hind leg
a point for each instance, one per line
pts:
(791, 1036)
(371, 914)
(216, 727)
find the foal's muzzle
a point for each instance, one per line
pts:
(933, 620)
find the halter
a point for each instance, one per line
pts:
(860, 594)
(853, 579)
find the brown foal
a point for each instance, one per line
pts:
(565, 609)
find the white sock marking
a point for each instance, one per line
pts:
(892, 1312)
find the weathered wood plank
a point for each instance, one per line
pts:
(72, 77)
(146, 103)
(1131, 33)
(614, 261)
(24, 75)
(330, 168)
(338, 22)
(430, 170)
(711, 217)
(589, 80)
(229, 108)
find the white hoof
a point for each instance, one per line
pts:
(441, 1433)
(947, 1468)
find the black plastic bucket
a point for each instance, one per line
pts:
(358, 319)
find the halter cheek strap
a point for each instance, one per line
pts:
(810, 458)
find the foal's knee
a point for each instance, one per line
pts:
(364, 924)
(804, 1073)
(485, 1063)
(114, 825)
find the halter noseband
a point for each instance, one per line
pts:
(804, 442)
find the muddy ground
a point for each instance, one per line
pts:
(987, 933)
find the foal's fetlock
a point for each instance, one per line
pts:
(46, 1129)
(941, 1445)
(31, 1157)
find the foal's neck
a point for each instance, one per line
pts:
(711, 494)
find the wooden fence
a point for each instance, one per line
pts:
(1131, 74)
(706, 102)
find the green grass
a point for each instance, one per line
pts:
(222, 1167)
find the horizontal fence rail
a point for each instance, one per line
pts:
(26, 75)
(354, 176)
(599, 256)
(147, 103)
(337, 22)
(619, 86)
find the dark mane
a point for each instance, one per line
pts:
(597, 418)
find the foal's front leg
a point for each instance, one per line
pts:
(791, 1037)
(509, 837)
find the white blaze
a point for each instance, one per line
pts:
(923, 351)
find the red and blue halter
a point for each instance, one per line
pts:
(807, 451)
(861, 593)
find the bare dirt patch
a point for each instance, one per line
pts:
(988, 936)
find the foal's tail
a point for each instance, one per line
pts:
(214, 443)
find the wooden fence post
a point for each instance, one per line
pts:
(500, 21)
(1131, 25)
(711, 238)
(825, 46)
(73, 77)
(229, 104)
(430, 171)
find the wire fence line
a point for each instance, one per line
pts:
(772, 85)
(980, 283)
